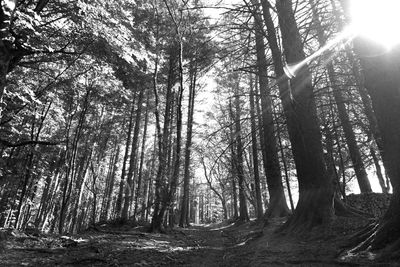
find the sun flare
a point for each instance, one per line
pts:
(378, 20)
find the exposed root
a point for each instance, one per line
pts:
(362, 235)
(381, 238)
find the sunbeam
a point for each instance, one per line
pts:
(346, 35)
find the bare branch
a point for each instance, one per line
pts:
(29, 142)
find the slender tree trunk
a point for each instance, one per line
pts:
(80, 184)
(243, 213)
(140, 175)
(278, 205)
(233, 160)
(355, 155)
(382, 183)
(119, 203)
(94, 192)
(129, 190)
(263, 152)
(175, 176)
(184, 219)
(30, 161)
(111, 184)
(283, 157)
(160, 187)
(71, 162)
(259, 206)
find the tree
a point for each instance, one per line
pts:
(382, 82)
(358, 165)
(254, 146)
(238, 156)
(315, 187)
(278, 205)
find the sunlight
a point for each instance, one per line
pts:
(291, 70)
(377, 20)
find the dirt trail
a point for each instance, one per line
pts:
(195, 246)
(249, 244)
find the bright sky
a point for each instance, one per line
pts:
(378, 20)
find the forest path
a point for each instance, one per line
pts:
(249, 244)
(124, 246)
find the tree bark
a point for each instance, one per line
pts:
(355, 155)
(233, 162)
(67, 186)
(110, 191)
(161, 189)
(130, 188)
(184, 219)
(118, 208)
(243, 213)
(315, 205)
(382, 82)
(254, 146)
(140, 174)
(378, 169)
(278, 206)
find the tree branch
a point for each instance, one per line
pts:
(28, 142)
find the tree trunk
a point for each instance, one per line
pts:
(379, 174)
(283, 157)
(278, 205)
(243, 213)
(118, 207)
(71, 161)
(129, 190)
(382, 82)
(233, 160)
(140, 175)
(355, 155)
(160, 181)
(184, 219)
(263, 152)
(254, 146)
(315, 205)
(109, 196)
(80, 188)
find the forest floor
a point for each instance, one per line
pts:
(249, 244)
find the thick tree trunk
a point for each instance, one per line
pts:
(382, 82)
(315, 204)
